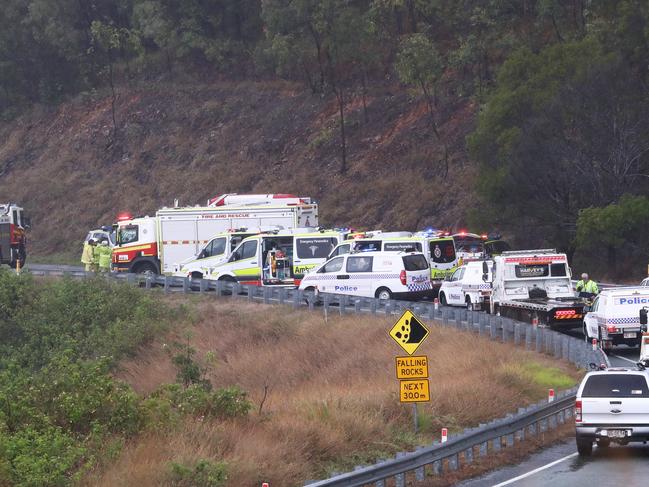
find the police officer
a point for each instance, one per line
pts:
(587, 288)
(88, 255)
(105, 256)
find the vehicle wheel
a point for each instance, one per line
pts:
(584, 447)
(383, 293)
(146, 268)
(309, 294)
(228, 280)
(599, 340)
(442, 299)
(469, 304)
(196, 275)
(603, 443)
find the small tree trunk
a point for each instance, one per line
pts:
(343, 140)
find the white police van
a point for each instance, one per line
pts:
(614, 317)
(383, 275)
(466, 287)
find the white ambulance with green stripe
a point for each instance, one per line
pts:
(278, 258)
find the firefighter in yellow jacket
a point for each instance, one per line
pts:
(88, 255)
(105, 256)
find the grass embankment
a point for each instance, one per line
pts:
(325, 395)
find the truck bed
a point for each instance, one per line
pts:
(545, 309)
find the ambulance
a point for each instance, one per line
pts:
(439, 250)
(216, 251)
(614, 317)
(279, 258)
(158, 244)
(375, 274)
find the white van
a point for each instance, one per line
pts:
(383, 275)
(614, 317)
(278, 258)
(467, 288)
(438, 250)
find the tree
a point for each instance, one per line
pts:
(419, 64)
(563, 130)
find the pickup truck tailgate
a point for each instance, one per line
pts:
(615, 399)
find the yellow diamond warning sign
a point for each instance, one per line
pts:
(414, 390)
(412, 367)
(409, 332)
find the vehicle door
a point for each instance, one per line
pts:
(455, 295)
(327, 275)
(590, 318)
(358, 278)
(245, 262)
(442, 258)
(214, 252)
(311, 251)
(615, 398)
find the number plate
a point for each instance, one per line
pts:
(630, 335)
(616, 433)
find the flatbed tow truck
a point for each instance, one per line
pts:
(534, 286)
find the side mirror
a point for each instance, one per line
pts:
(202, 255)
(643, 319)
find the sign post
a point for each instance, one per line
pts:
(412, 371)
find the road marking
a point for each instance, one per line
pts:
(536, 470)
(634, 362)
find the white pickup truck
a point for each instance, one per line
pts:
(612, 406)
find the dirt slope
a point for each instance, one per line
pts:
(195, 141)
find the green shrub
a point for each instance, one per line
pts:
(171, 401)
(204, 473)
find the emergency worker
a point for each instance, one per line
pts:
(586, 287)
(105, 256)
(88, 255)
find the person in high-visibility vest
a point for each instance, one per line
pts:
(88, 255)
(586, 287)
(105, 256)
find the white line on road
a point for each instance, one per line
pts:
(624, 358)
(536, 470)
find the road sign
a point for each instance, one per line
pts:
(409, 332)
(414, 390)
(412, 367)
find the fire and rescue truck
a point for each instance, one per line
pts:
(534, 286)
(13, 236)
(157, 244)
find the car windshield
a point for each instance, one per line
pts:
(469, 244)
(415, 262)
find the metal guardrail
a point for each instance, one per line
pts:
(462, 449)
(499, 433)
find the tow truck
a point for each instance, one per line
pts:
(13, 235)
(534, 286)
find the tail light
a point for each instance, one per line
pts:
(402, 276)
(612, 329)
(577, 411)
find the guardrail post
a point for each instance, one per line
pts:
(297, 298)
(557, 342)
(509, 440)
(379, 483)
(453, 463)
(420, 473)
(400, 479)
(539, 339)
(203, 286)
(266, 292)
(517, 334)
(528, 337)
(166, 284)
(565, 347)
(482, 325)
(493, 327)
(310, 301)
(468, 456)
(236, 289)
(373, 305)
(343, 300)
(249, 292)
(186, 285)
(218, 286)
(437, 467)
(387, 307)
(496, 444)
(358, 305)
(484, 447)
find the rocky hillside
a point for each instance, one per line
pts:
(71, 171)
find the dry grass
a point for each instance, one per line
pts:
(333, 395)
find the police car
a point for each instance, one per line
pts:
(466, 287)
(383, 275)
(614, 317)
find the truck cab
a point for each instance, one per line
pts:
(136, 247)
